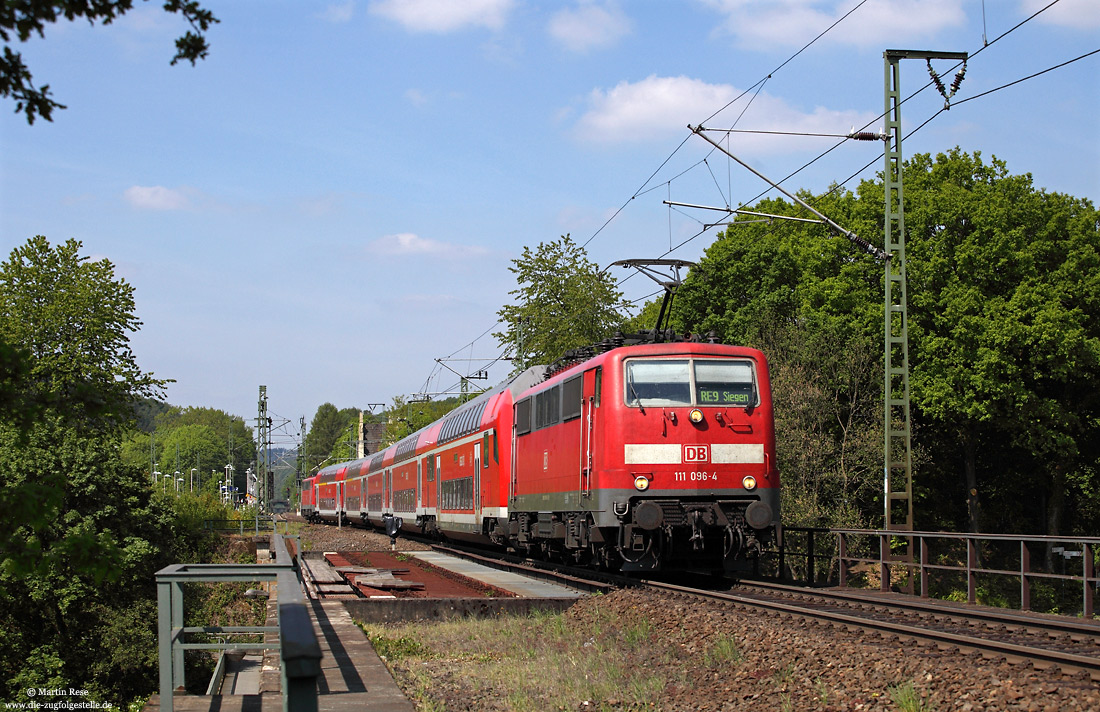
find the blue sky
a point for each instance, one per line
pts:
(331, 201)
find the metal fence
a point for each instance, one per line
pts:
(930, 563)
(299, 650)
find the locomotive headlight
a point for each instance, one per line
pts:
(749, 482)
(641, 483)
(695, 416)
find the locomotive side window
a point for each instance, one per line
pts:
(548, 408)
(523, 417)
(724, 383)
(571, 399)
(658, 383)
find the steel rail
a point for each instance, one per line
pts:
(1060, 624)
(986, 646)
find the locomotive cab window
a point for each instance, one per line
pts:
(724, 383)
(683, 382)
(658, 383)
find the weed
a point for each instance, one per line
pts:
(822, 692)
(785, 676)
(723, 651)
(638, 633)
(396, 649)
(908, 699)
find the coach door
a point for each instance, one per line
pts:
(590, 408)
(477, 479)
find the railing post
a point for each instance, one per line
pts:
(925, 559)
(783, 558)
(1025, 583)
(1089, 572)
(164, 637)
(971, 574)
(883, 565)
(810, 558)
(842, 551)
(178, 680)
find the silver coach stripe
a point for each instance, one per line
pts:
(652, 454)
(737, 453)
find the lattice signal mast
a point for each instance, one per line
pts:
(897, 447)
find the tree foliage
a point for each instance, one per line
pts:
(22, 20)
(327, 433)
(82, 535)
(1004, 339)
(74, 317)
(563, 302)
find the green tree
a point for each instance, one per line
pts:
(807, 300)
(74, 318)
(1005, 317)
(240, 446)
(81, 536)
(25, 19)
(404, 418)
(326, 432)
(1004, 337)
(563, 302)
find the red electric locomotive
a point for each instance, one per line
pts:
(644, 457)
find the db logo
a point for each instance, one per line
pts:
(696, 453)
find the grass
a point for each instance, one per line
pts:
(536, 662)
(594, 657)
(723, 651)
(908, 699)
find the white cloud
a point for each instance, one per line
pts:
(443, 16)
(416, 97)
(652, 107)
(768, 24)
(339, 13)
(155, 197)
(589, 26)
(1074, 14)
(409, 244)
(664, 106)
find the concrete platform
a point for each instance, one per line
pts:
(354, 678)
(522, 586)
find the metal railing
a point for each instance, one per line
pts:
(818, 556)
(299, 649)
(269, 523)
(240, 525)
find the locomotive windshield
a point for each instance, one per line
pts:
(673, 382)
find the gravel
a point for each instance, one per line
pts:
(329, 537)
(788, 663)
(779, 663)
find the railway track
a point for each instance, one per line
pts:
(1071, 645)
(1043, 640)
